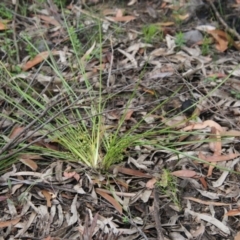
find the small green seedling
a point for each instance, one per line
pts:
(4, 12)
(125, 219)
(179, 40)
(168, 186)
(235, 94)
(150, 32)
(206, 46)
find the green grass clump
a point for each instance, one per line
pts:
(168, 186)
(73, 117)
(179, 40)
(151, 33)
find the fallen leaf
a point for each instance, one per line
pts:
(222, 39)
(121, 19)
(9, 223)
(233, 212)
(221, 158)
(237, 237)
(132, 2)
(132, 172)
(3, 26)
(119, 13)
(71, 175)
(207, 202)
(203, 182)
(110, 199)
(48, 197)
(128, 114)
(210, 169)
(150, 183)
(30, 163)
(49, 19)
(184, 173)
(208, 123)
(16, 131)
(38, 59)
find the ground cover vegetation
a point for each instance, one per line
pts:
(119, 119)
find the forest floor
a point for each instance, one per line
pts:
(119, 119)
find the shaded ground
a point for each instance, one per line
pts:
(145, 55)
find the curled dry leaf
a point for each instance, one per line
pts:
(221, 158)
(221, 38)
(205, 124)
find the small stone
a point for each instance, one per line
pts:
(187, 107)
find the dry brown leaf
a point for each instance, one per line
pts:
(150, 183)
(71, 175)
(184, 173)
(9, 223)
(215, 143)
(15, 132)
(48, 197)
(119, 13)
(237, 237)
(233, 212)
(3, 198)
(88, 52)
(221, 158)
(121, 19)
(208, 123)
(231, 133)
(38, 59)
(210, 169)
(109, 12)
(207, 202)
(133, 172)
(181, 17)
(221, 38)
(110, 199)
(203, 182)
(166, 24)
(128, 115)
(132, 2)
(3, 26)
(49, 19)
(30, 163)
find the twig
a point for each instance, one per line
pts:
(157, 215)
(138, 228)
(14, 32)
(111, 64)
(227, 28)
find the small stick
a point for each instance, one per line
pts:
(14, 32)
(157, 215)
(227, 28)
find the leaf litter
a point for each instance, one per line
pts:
(48, 198)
